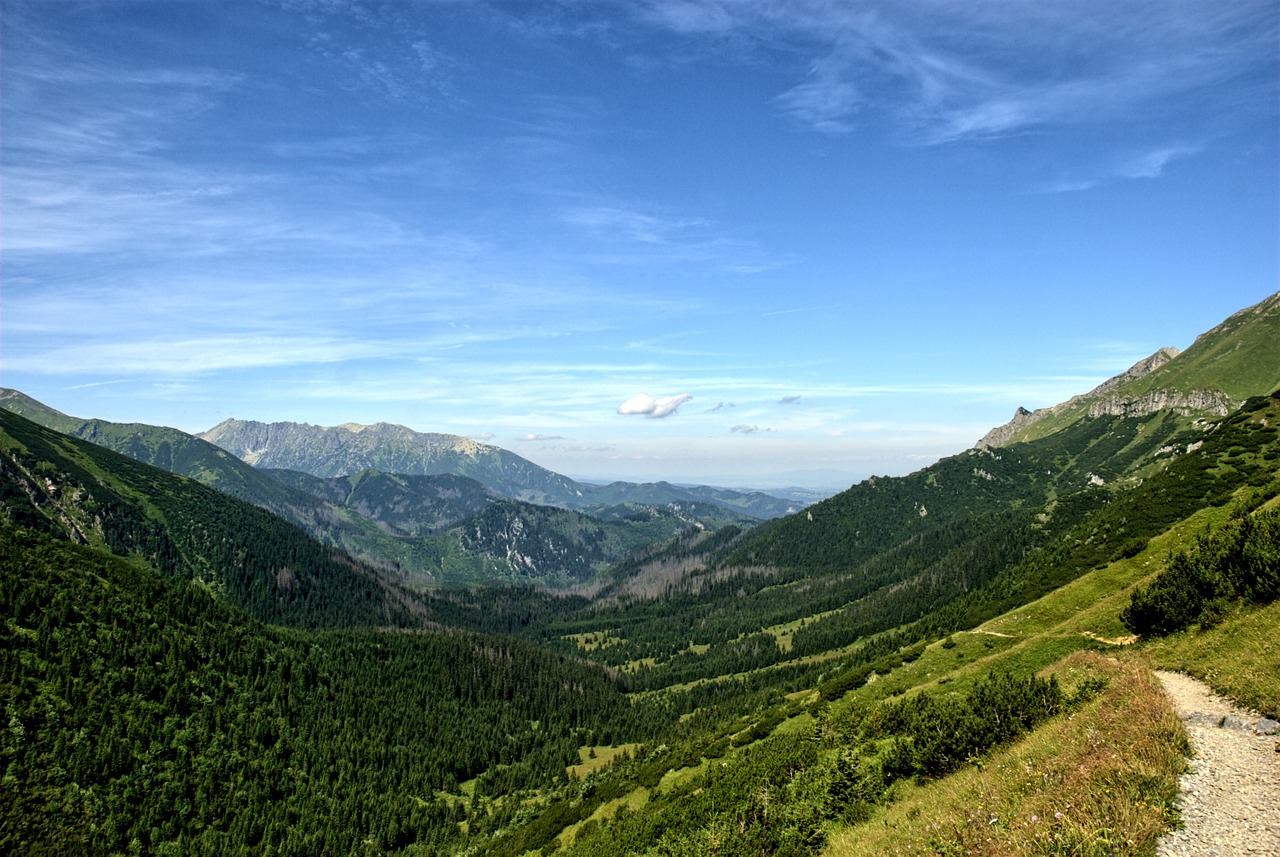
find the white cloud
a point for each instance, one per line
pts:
(635, 225)
(826, 100)
(747, 429)
(644, 404)
(1148, 164)
(955, 71)
(1151, 164)
(788, 400)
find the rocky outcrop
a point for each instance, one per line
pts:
(1000, 435)
(1104, 400)
(1141, 369)
(1193, 403)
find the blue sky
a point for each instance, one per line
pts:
(745, 242)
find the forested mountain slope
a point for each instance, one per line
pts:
(144, 716)
(1086, 442)
(91, 495)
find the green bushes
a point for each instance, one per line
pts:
(1239, 563)
(935, 735)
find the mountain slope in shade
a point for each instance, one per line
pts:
(1237, 359)
(92, 495)
(404, 506)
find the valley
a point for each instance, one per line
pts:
(299, 640)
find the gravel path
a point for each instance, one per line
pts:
(1231, 795)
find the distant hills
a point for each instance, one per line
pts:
(348, 449)
(330, 451)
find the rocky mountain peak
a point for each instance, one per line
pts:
(1102, 400)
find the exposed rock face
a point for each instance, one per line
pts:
(1138, 370)
(1195, 402)
(1213, 402)
(1000, 435)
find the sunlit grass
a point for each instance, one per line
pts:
(1239, 658)
(597, 758)
(1096, 781)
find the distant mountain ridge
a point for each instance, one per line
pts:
(429, 530)
(343, 450)
(1224, 366)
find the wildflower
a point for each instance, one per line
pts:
(1034, 819)
(1058, 816)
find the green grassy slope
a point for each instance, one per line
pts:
(1235, 360)
(812, 755)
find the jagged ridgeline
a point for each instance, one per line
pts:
(430, 531)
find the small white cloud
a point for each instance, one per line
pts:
(747, 429)
(1151, 164)
(643, 403)
(540, 437)
(722, 406)
(788, 400)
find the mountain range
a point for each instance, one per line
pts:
(331, 451)
(430, 521)
(707, 681)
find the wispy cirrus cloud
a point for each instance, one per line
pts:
(187, 356)
(633, 225)
(1148, 164)
(629, 234)
(955, 71)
